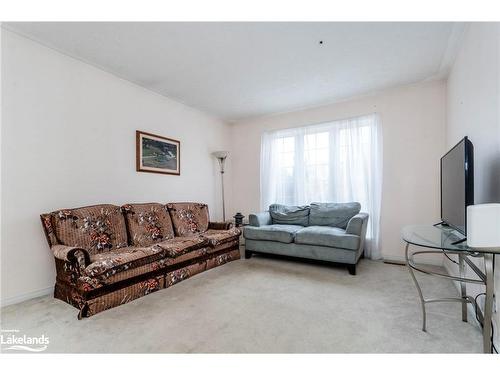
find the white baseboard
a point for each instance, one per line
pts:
(26, 296)
(436, 261)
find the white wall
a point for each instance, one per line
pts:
(413, 121)
(473, 108)
(68, 140)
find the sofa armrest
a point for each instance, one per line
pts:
(259, 219)
(72, 254)
(357, 224)
(223, 225)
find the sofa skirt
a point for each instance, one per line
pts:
(117, 294)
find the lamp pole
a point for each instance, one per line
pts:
(222, 185)
(221, 157)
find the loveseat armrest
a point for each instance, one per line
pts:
(222, 225)
(357, 224)
(71, 254)
(259, 219)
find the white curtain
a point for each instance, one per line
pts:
(339, 161)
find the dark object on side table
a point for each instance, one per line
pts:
(238, 219)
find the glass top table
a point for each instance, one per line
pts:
(442, 240)
(438, 237)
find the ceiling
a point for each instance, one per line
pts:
(240, 70)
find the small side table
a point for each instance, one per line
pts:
(242, 239)
(442, 238)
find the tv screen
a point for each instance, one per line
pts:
(457, 185)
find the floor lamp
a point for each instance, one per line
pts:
(221, 157)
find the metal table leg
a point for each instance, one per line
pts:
(463, 288)
(488, 304)
(422, 301)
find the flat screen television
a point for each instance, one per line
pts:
(457, 185)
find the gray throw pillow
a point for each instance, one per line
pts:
(333, 214)
(289, 215)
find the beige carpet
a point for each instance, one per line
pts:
(263, 305)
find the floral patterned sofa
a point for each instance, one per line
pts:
(108, 255)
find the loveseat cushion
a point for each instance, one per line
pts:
(218, 237)
(96, 229)
(147, 223)
(188, 218)
(327, 236)
(274, 232)
(333, 214)
(289, 215)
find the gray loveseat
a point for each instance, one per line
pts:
(332, 232)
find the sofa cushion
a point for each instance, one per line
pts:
(274, 232)
(104, 265)
(96, 229)
(147, 223)
(107, 264)
(87, 283)
(188, 218)
(218, 237)
(333, 214)
(289, 215)
(327, 236)
(177, 246)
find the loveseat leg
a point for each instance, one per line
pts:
(352, 269)
(248, 254)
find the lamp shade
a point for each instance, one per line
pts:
(220, 154)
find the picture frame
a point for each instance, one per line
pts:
(157, 154)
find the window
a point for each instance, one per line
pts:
(337, 161)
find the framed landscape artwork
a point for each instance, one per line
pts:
(157, 154)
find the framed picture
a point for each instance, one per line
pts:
(157, 154)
